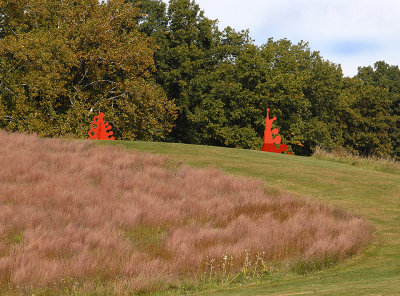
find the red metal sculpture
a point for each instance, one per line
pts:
(269, 141)
(100, 130)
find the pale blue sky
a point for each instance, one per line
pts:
(351, 33)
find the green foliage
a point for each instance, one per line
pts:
(365, 112)
(63, 62)
(278, 75)
(185, 38)
(223, 83)
(388, 77)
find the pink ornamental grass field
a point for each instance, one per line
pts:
(75, 212)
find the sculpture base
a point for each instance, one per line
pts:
(272, 148)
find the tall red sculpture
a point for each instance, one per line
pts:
(100, 130)
(269, 141)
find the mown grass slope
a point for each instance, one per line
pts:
(371, 193)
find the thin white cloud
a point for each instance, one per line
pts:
(336, 18)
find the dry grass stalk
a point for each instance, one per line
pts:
(71, 210)
(375, 162)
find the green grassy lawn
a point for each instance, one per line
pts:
(371, 193)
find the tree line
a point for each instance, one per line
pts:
(167, 72)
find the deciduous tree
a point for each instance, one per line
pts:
(388, 77)
(64, 61)
(365, 115)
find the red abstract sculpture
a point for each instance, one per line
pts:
(100, 130)
(269, 141)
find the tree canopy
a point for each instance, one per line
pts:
(64, 61)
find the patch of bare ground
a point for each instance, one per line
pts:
(77, 212)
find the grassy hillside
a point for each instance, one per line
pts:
(74, 219)
(371, 193)
(77, 218)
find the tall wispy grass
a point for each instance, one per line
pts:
(389, 165)
(76, 213)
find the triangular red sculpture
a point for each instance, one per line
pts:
(100, 130)
(269, 141)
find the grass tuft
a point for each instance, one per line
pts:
(373, 162)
